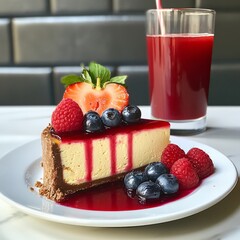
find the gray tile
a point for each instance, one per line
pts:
(80, 6)
(227, 37)
(73, 40)
(25, 86)
(132, 5)
(137, 83)
(178, 4)
(23, 7)
(225, 84)
(5, 51)
(219, 5)
(59, 72)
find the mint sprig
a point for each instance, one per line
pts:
(96, 75)
(98, 71)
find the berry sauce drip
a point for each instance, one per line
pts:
(112, 197)
(130, 152)
(113, 145)
(89, 159)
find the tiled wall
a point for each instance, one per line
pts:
(42, 40)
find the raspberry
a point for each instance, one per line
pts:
(201, 162)
(171, 154)
(185, 173)
(67, 116)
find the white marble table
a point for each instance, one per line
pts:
(20, 125)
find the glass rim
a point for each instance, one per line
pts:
(192, 10)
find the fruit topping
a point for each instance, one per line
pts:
(171, 154)
(95, 90)
(133, 179)
(157, 180)
(154, 170)
(131, 114)
(148, 191)
(168, 183)
(92, 122)
(111, 117)
(67, 116)
(185, 173)
(201, 162)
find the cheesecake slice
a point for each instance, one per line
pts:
(75, 161)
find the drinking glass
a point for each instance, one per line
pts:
(179, 46)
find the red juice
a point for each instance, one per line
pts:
(179, 74)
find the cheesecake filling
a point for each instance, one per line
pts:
(94, 159)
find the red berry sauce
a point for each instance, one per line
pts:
(112, 197)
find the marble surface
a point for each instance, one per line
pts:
(20, 125)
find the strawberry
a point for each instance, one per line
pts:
(185, 173)
(98, 100)
(95, 90)
(201, 162)
(67, 116)
(171, 154)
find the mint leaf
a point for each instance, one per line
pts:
(86, 75)
(71, 79)
(119, 79)
(98, 71)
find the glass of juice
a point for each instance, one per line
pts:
(179, 46)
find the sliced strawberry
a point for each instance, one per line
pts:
(98, 99)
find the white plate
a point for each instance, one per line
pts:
(20, 169)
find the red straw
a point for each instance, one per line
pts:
(159, 4)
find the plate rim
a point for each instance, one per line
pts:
(108, 222)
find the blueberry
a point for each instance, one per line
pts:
(148, 191)
(111, 117)
(154, 170)
(168, 183)
(131, 114)
(133, 179)
(92, 122)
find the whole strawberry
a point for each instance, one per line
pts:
(171, 154)
(201, 162)
(67, 116)
(185, 173)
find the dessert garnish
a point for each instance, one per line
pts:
(176, 171)
(171, 154)
(92, 122)
(96, 90)
(185, 173)
(67, 116)
(111, 117)
(201, 162)
(94, 101)
(131, 114)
